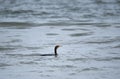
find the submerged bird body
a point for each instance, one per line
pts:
(55, 52)
(47, 55)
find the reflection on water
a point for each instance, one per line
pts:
(87, 31)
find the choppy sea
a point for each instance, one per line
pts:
(88, 32)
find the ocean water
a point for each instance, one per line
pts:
(88, 32)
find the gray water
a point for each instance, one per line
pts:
(88, 32)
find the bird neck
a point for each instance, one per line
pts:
(55, 50)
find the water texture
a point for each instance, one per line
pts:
(88, 32)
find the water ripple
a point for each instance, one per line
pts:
(96, 59)
(101, 40)
(80, 34)
(89, 69)
(25, 24)
(28, 62)
(52, 34)
(4, 48)
(4, 64)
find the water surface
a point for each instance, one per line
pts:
(88, 32)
